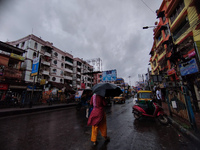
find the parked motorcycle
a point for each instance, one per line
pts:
(150, 109)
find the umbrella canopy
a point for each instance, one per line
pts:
(106, 89)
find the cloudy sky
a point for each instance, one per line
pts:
(106, 29)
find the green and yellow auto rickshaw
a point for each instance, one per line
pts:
(144, 96)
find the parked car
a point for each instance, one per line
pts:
(119, 99)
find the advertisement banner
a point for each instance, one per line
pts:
(17, 56)
(35, 66)
(110, 75)
(189, 67)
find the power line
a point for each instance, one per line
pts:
(148, 7)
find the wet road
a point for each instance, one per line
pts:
(66, 129)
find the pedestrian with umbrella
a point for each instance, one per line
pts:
(97, 118)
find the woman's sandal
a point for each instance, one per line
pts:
(95, 143)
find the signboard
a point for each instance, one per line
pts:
(110, 75)
(171, 72)
(42, 81)
(35, 66)
(198, 47)
(12, 55)
(78, 94)
(189, 67)
(3, 86)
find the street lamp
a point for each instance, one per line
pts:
(162, 27)
(129, 80)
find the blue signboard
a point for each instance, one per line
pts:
(110, 75)
(189, 67)
(35, 66)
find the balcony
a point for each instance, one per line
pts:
(45, 72)
(68, 63)
(47, 54)
(45, 63)
(68, 77)
(68, 70)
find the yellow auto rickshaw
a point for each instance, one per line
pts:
(143, 96)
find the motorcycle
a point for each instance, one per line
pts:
(150, 109)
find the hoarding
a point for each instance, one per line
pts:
(110, 75)
(189, 67)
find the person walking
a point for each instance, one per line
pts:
(97, 118)
(159, 96)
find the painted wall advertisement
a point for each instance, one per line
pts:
(110, 75)
(189, 67)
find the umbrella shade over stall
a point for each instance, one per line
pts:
(106, 89)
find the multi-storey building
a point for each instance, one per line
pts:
(98, 78)
(83, 75)
(174, 53)
(56, 66)
(77, 73)
(11, 70)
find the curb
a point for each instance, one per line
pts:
(19, 111)
(189, 134)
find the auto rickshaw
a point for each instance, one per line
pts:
(144, 96)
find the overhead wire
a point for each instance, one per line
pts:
(148, 6)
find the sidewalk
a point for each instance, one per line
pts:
(183, 126)
(17, 110)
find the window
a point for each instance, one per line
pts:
(61, 73)
(53, 79)
(182, 28)
(54, 70)
(163, 19)
(154, 63)
(56, 54)
(34, 54)
(166, 32)
(63, 57)
(55, 62)
(68, 59)
(177, 11)
(22, 45)
(35, 46)
(158, 39)
(61, 80)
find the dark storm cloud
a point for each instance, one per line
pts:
(109, 29)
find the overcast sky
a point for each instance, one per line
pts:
(106, 29)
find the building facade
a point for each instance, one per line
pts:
(175, 54)
(57, 68)
(11, 70)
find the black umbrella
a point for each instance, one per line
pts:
(106, 89)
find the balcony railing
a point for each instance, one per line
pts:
(45, 63)
(45, 72)
(47, 54)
